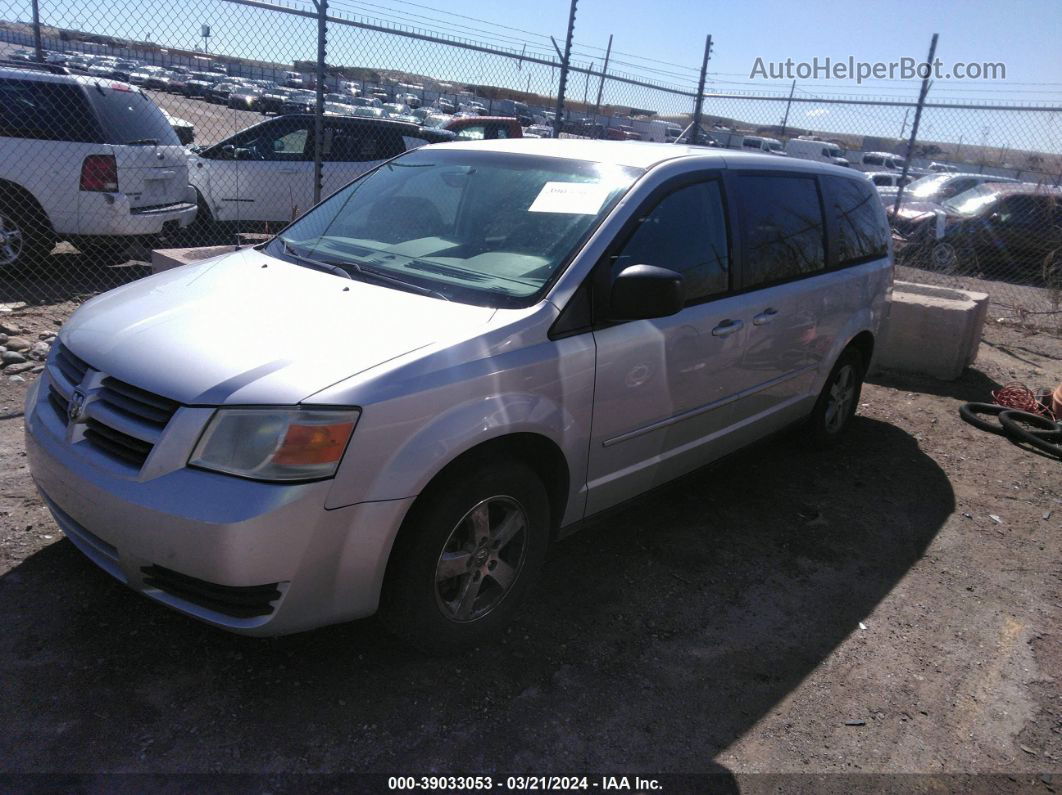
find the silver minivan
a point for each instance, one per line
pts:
(400, 401)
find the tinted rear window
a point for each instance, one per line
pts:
(862, 232)
(46, 112)
(128, 116)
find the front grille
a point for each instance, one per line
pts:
(72, 368)
(137, 403)
(59, 403)
(117, 444)
(237, 601)
(122, 421)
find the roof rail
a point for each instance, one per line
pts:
(54, 68)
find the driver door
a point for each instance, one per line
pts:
(269, 176)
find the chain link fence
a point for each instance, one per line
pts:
(213, 123)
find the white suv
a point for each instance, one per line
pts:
(84, 159)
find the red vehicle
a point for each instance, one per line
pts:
(479, 128)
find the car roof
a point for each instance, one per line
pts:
(642, 154)
(1022, 188)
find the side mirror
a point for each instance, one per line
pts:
(645, 291)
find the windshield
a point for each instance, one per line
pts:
(926, 187)
(487, 228)
(971, 202)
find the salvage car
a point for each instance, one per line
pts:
(497, 340)
(1005, 226)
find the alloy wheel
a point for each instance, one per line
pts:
(11, 240)
(840, 400)
(481, 559)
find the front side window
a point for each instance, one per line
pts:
(490, 228)
(862, 232)
(355, 143)
(685, 232)
(783, 228)
(283, 139)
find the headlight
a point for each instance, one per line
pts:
(276, 444)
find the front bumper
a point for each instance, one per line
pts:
(306, 565)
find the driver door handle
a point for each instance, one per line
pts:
(727, 327)
(764, 317)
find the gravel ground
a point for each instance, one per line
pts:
(890, 606)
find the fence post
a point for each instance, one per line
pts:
(914, 125)
(318, 116)
(604, 71)
(785, 119)
(695, 130)
(558, 121)
(38, 50)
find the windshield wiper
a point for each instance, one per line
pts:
(328, 267)
(347, 266)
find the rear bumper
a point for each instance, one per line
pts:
(253, 558)
(113, 214)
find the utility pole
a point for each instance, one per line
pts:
(558, 121)
(785, 119)
(318, 116)
(604, 70)
(914, 124)
(695, 130)
(38, 49)
(903, 127)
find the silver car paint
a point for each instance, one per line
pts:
(433, 379)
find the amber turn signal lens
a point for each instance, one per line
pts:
(313, 444)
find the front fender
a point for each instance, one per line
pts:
(400, 445)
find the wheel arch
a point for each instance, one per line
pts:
(12, 190)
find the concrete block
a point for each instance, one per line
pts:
(163, 259)
(933, 330)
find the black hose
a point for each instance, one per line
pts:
(1012, 424)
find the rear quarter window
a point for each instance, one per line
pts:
(862, 232)
(46, 112)
(128, 116)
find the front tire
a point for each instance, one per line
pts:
(838, 400)
(471, 548)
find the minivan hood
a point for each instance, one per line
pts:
(247, 328)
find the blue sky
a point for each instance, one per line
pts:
(668, 36)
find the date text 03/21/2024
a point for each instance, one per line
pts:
(524, 783)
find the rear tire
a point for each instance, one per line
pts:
(838, 400)
(25, 234)
(471, 548)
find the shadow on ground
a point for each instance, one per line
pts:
(657, 637)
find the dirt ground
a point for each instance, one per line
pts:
(891, 606)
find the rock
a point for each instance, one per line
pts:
(39, 350)
(46, 335)
(18, 344)
(3, 339)
(19, 368)
(37, 368)
(11, 357)
(10, 328)
(17, 379)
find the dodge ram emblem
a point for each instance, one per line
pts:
(76, 407)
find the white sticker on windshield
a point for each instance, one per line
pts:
(574, 198)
